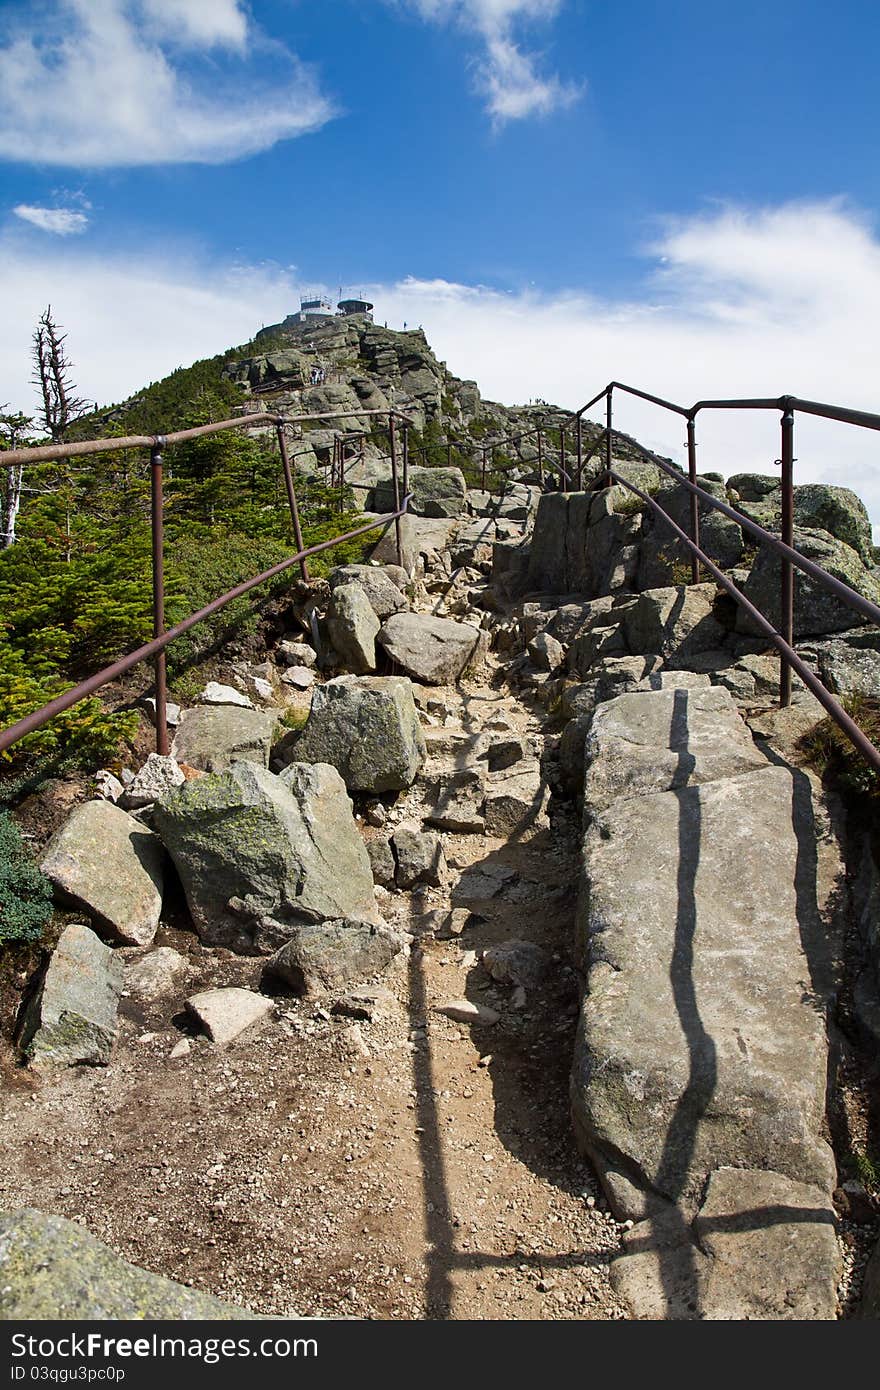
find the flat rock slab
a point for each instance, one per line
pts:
(701, 1042)
(72, 1018)
(368, 728)
(106, 863)
(433, 650)
(51, 1269)
(761, 1248)
(213, 737)
(332, 955)
(654, 741)
(258, 854)
(225, 1014)
(216, 694)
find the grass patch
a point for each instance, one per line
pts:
(829, 750)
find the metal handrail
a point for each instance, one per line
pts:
(156, 649)
(790, 557)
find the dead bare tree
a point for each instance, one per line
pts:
(14, 433)
(52, 375)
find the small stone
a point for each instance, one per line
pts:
(226, 1013)
(108, 787)
(298, 676)
(180, 1049)
(464, 1011)
(216, 694)
(156, 975)
(156, 777)
(295, 654)
(419, 856)
(172, 711)
(368, 1002)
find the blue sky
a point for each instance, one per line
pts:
(560, 191)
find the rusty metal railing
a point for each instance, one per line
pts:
(162, 638)
(790, 557)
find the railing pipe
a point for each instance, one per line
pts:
(786, 588)
(562, 471)
(392, 431)
(811, 681)
(580, 453)
(695, 501)
(608, 451)
(158, 533)
(31, 722)
(291, 497)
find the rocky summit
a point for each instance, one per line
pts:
(488, 881)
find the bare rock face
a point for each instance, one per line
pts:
(368, 728)
(433, 650)
(107, 864)
(71, 1019)
(252, 848)
(212, 738)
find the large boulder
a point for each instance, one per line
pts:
(420, 538)
(661, 550)
(677, 621)
(436, 492)
(212, 738)
(53, 1270)
(259, 854)
(71, 1018)
(331, 955)
(109, 865)
(368, 728)
(433, 650)
(837, 510)
(816, 609)
(353, 627)
(383, 593)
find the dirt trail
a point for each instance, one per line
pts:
(401, 1167)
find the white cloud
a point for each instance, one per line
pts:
(61, 221)
(505, 74)
(761, 303)
(208, 22)
(100, 83)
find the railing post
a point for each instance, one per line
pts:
(158, 530)
(406, 458)
(540, 459)
(483, 472)
(786, 622)
(563, 480)
(695, 501)
(580, 455)
(448, 453)
(291, 498)
(392, 430)
(609, 462)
